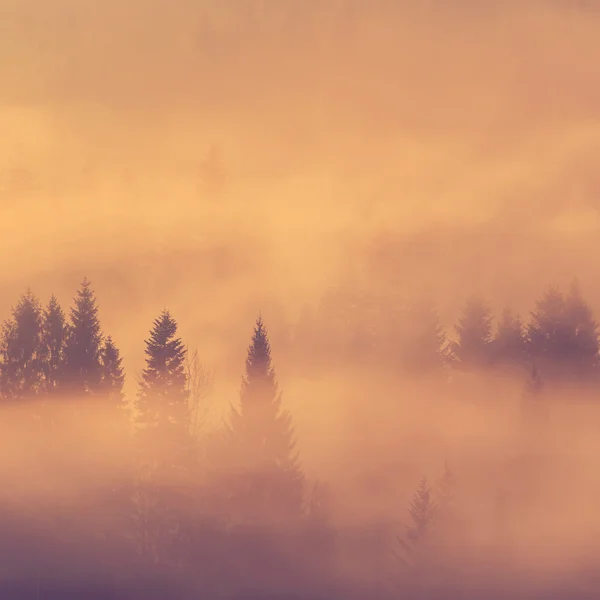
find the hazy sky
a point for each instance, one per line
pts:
(459, 139)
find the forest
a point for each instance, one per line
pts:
(337, 337)
(108, 493)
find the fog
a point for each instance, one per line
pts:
(223, 159)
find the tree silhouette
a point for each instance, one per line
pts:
(83, 344)
(474, 330)
(262, 440)
(422, 511)
(562, 335)
(112, 374)
(162, 400)
(22, 352)
(54, 335)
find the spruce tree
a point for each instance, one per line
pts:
(262, 440)
(22, 351)
(422, 512)
(83, 344)
(54, 335)
(162, 399)
(474, 330)
(563, 335)
(112, 374)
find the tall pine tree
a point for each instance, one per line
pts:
(22, 351)
(269, 481)
(54, 336)
(563, 335)
(112, 374)
(83, 345)
(162, 401)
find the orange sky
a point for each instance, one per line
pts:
(471, 132)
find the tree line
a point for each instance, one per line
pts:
(560, 338)
(250, 469)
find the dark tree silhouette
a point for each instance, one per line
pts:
(162, 400)
(54, 336)
(112, 374)
(474, 330)
(22, 352)
(509, 341)
(562, 335)
(83, 344)
(261, 436)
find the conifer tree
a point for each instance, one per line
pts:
(262, 439)
(22, 353)
(422, 512)
(162, 400)
(563, 335)
(112, 375)
(83, 344)
(54, 335)
(474, 330)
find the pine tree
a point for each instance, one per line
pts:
(474, 330)
(422, 512)
(112, 375)
(262, 440)
(83, 344)
(162, 400)
(509, 341)
(22, 352)
(563, 335)
(547, 332)
(54, 335)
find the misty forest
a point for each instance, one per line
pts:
(299, 300)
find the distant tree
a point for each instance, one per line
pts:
(22, 351)
(269, 482)
(422, 512)
(474, 330)
(112, 376)
(162, 399)
(83, 346)
(509, 341)
(54, 336)
(562, 335)
(427, 350)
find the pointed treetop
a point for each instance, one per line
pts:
(258, 361)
